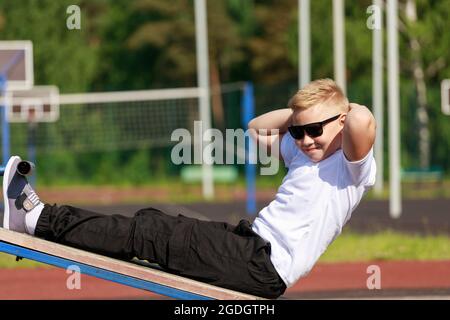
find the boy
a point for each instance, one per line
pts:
(326, 144)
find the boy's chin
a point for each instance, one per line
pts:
(316, 155)
(314, 159)
(319, 155)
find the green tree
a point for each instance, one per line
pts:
(422, 22)
(62, 57)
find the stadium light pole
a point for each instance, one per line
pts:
(304, 43)
(201, 37)
(395, 204)
(377, 78)
(445, 97)
(339, 44)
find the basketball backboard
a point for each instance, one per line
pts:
(16, 64)
(445, 96)
(40, 104)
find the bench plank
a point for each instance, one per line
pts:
(111, 269)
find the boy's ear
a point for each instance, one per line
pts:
(342, 119)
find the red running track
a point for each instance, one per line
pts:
(50, 283)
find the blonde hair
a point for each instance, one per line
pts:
(317, 92)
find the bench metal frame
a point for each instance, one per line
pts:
(123, 272)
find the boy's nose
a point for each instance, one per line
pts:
(307, 140)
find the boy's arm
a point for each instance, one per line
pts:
(269, 128)
(278, 119)
(358, 133)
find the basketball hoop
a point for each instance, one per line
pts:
(32, 115)
(40, 104)
(16, 73)
(16, 64)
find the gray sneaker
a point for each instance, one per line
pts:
(18, 196)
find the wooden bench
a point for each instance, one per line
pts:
(123, 272)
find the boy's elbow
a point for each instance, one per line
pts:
(370, 125)
(373, 129)
(251, 124)
(362, 124)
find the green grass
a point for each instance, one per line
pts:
(348, 247)
(388, 245)
(9, 262)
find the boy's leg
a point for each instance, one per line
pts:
(212, 252)
(112, 235)
(145, 236)
(238, 259)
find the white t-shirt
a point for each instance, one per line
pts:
(311, 206)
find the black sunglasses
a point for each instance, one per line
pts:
(313, 130)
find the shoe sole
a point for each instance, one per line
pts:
(6, 180)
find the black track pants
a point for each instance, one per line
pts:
(233, 257)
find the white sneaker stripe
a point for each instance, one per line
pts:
(34, 198)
